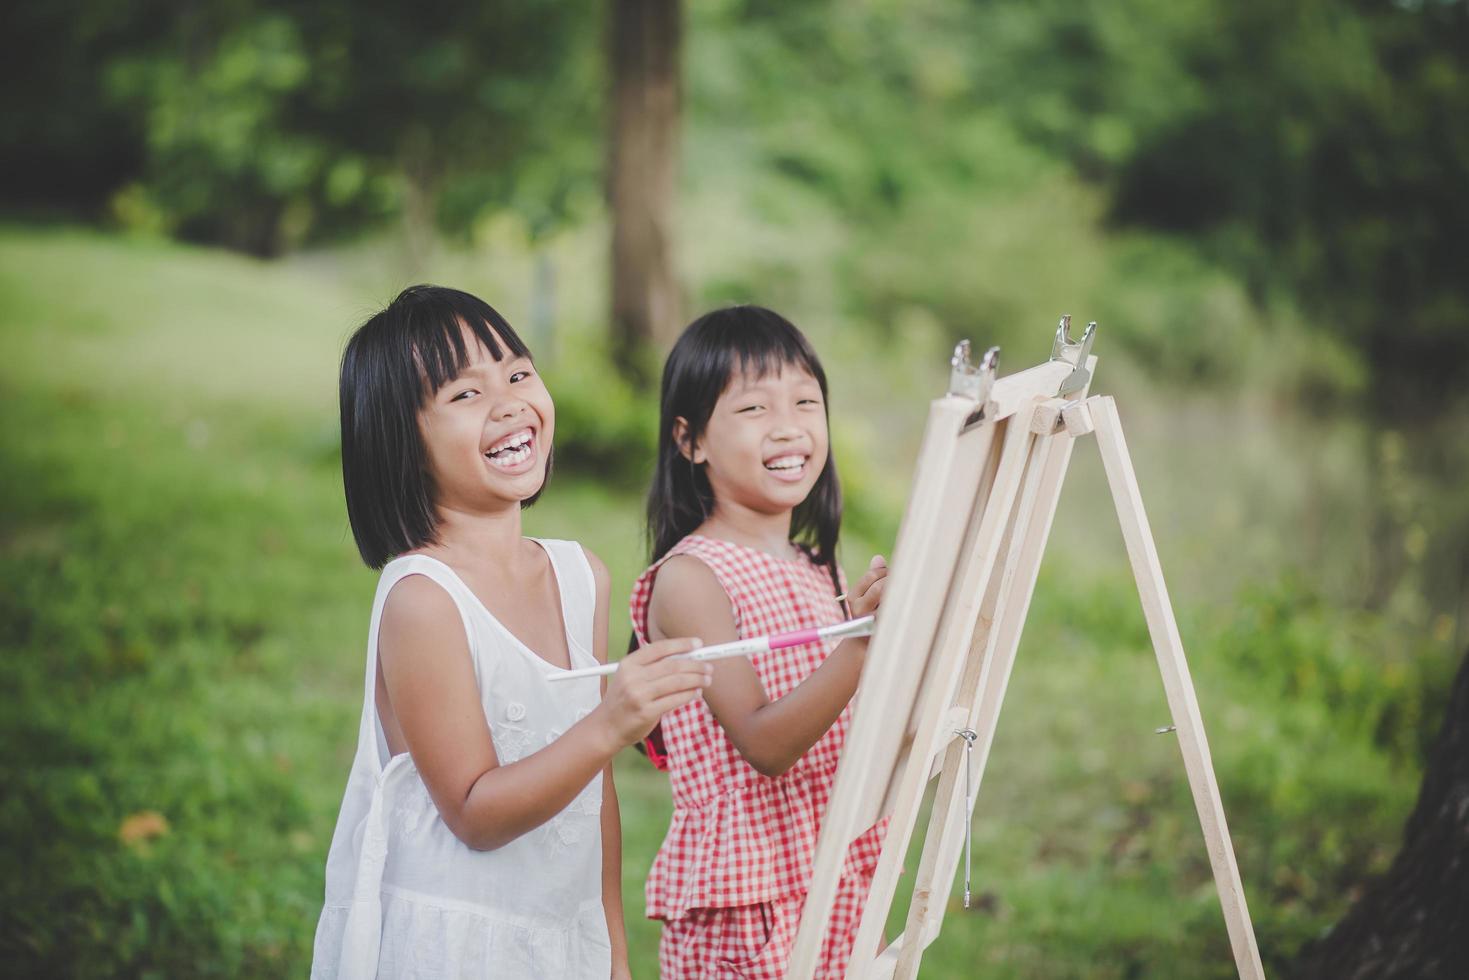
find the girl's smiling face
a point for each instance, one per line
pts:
(488, 432)
(766, 441)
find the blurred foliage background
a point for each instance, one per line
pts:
(1263, 205)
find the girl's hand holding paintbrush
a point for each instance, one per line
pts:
(647, 683)
(864, 599)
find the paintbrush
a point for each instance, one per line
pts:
(744, 648)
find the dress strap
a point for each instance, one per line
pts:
(578, 588)
(363, 931)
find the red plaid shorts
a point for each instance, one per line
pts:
(754, 942)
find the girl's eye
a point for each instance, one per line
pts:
(808, 401)
(748, 408)
(519, 376)
(463, 395)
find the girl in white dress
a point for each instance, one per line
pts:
(479, 833)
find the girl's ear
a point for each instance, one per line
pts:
(686, 448)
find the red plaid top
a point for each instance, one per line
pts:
(737, 837)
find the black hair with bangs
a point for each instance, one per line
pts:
(392, 366)
(712, 351)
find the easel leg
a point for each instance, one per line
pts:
(987, 679)
(970, 609)
(1177, 684)
(949, 467)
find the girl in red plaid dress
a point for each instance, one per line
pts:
(744, 515)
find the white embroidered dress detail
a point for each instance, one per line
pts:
(404, 896)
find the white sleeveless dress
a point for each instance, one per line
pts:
(404, 896)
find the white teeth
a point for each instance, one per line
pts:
(510, 457)
(511, 451)
(786, 463)
(511, 442)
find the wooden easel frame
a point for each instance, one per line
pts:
(989, 474)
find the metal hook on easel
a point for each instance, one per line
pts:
(975, 382)
(968, 735)
(1073, 352)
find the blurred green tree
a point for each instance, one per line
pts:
(1318, 148)
(260, 124)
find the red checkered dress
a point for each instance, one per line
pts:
(735, 865)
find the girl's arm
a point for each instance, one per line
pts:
(688, 600)
(611, 816)
(435, 702)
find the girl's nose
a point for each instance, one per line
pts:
(509, 408)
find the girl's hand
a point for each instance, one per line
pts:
(867, 596)
(647, 684)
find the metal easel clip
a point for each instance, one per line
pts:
(975, 382)
(969, 736)
(1073, 352)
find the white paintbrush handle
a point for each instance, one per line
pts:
(739, 648)
(743, 648)
(571, 675)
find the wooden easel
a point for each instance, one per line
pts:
(989, 474)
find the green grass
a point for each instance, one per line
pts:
(182, 617)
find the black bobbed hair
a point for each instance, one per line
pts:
(392, 366)
(712, 351)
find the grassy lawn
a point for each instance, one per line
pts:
(182, 616)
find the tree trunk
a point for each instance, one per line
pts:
(642, 175)
(1413, 922)
(417, 160)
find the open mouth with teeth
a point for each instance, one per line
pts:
(513, 450)
(790, 466)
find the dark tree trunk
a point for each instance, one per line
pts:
(1413, 922)
(642, 176)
